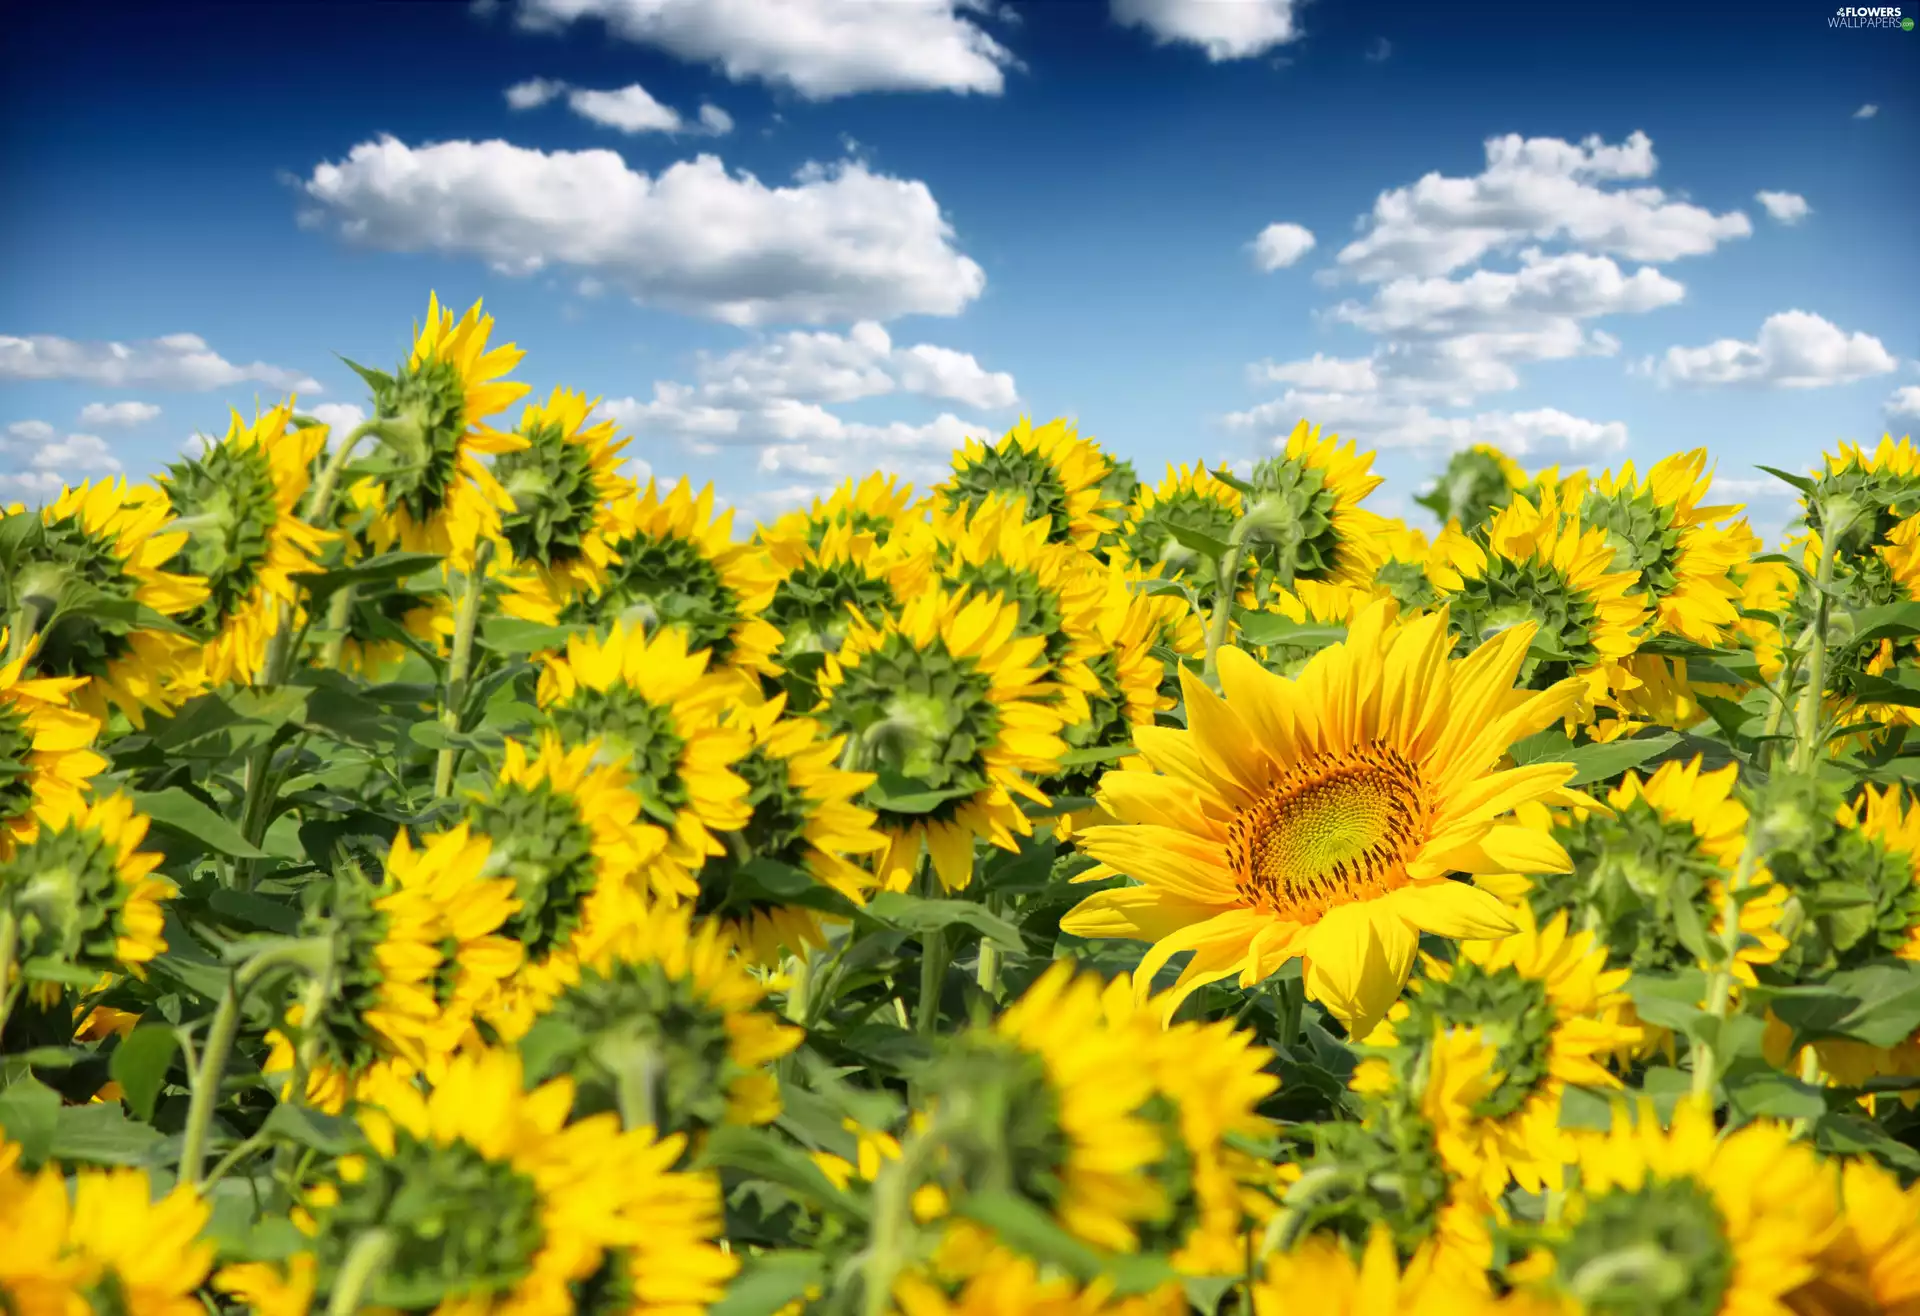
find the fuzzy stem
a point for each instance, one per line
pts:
(933, 975)
(1807, 740)
(459, 665)
(339, 616)
(891, 1244)
(9, 943)
(367, 1255)
(320, 497)
(1229, 572)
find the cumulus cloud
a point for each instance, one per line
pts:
(1866, 111)
(819, 48)
(1794, 349)
(1239, 29)
(1322, 374)
(1280, 245)
(31, 487)
(1535, 190)
(1785, 207)
(841, 243)
(118, 413)
(176, 361)
(1905, 403)
(340, 418)
(45, 459)
(1545, 434)
(630, 109)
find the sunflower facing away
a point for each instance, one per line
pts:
(828, 580)
(46, 753)
(565, 486)
(109, 539)
(1476, 483)
(1190, 498)
(949, 697)
(436, 495)
(1311, 490)
(496, 1202)
(875, 505)
(238, 502)
(1325, 817)
(1052, 469)
(1683, 1221)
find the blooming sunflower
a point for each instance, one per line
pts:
(1675, 836)
(563, 829)
(1308, 496)
(1544, 567)
(1683, 1221)
(112, 1247)
(105, 539)
(665, 1024)
(1495, 1038)
(1052, 470)
(40, 1274)
(950, 698)
(679, 566)
(1321, 1277)
(414, 959)
(1872, 1264)
(565, 486)
(1189, 499)
(656, 709)
(82, 893)
(1050, 1100)
(436, 495)
(1323, 817)
(1657, 528)
(493, 1201)
(1477, 482)
(804, 820)
(238, 502)
(46, 753)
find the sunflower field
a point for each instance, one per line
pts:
(440, 874)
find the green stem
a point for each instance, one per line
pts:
(933, 976)
(339, 616)
(1720, 982)
(1229, 573)
(28, 618)
(890, 1246)
(988, 972)
(459, 665)
(320, 497)
(212, 1069)
(9, 944)
(1808, 740)
(367, 1255)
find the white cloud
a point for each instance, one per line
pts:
(1225, 29)
(1544, 434)
(820, 48)
(841, 243)
(715, 120)
(1739, 488)
(1905, 403)
(1785, 207)
(118, 413)
(1570, 286)
(1535, 190)
(1794, 349)
(1280, 245)
(533, 93)
(1321, 374)
(31, 431)
(1866, 111)
(340, 418)
(31, 486)
(86, 453)
(51, 459)
(178, 361)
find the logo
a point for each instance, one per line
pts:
(1851, 16)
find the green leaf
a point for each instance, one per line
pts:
(331, 1135)
(1194, 541)
(1888, 621)
(1270, 628)
(386, 567)
(1801, 482)
(769, 1281)
(1757, 1090)
(896, 794)
(1083, 758)
(1669, 1000)
(1843, 1134)
(29, 1112)
(140, 1063)
(253, 912)
(1032, 1232)
(178, 812)
(512, 635)
(103, 1135)
(1603, 762)
(910, 913)
(1586, 1108)
(760, 1154)
(1878, 1004)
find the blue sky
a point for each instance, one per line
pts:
(790, 242)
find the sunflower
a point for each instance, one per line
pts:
(1402, 573)
(564, 830)
(82, 893)
(1307, 500)
(1477, 482)
(656, 709)
(267, 1288)
(1313, 605)
(1657, 529)
(825, 584)
(493, 1201)
(238, 502)
(1675, 836)
(1873, 491)
(875, 505)
(1872, 1265)
(665, 1024)
(1209, 1079)
(1662, 695)
(1052, 470)
(46, 754)
(108, 540)
(111, 1247)
(948, 697)
(436, 495)
(1683, 1221)
(1049, 1101)
(1190, 499)
(679, 566)
(1498, 1035)
(1540, 566)
(1323, 817)
(1321, 1277)
(804, 821)
(564, 485)
(40, 1274)
(414, 960)
(1007, 1284)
